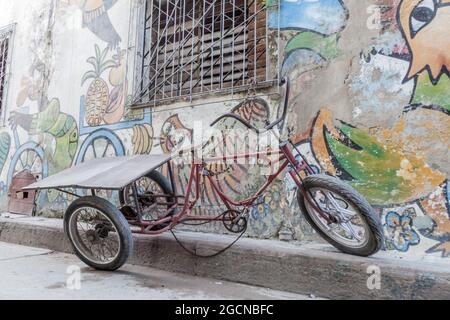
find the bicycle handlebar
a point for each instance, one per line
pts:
(284, 81)
(238, 118)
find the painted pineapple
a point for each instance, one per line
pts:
(97, 97)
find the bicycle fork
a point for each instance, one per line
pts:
(296, 166)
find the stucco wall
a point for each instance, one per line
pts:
(369, 104)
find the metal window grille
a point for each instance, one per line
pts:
(5, 43)
(196, 47)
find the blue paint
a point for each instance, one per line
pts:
(260, 211)
(105, 134)
(323, 16)
(126, 124)
(301, 61)
(401, 235)
(29, 146)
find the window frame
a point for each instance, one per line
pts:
(8, 32)
(271, 67)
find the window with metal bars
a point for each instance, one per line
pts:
(196, 47)
(5, 37)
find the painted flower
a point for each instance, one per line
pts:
(400, 233)
(260, 210)
(274, 200)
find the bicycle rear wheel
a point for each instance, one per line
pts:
(98, 232)
(147, 187)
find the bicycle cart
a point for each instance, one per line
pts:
(101, 233)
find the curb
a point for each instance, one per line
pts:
(307, 269)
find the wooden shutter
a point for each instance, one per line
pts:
(202, 46)
(4, 48)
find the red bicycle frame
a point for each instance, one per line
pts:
(285, 159)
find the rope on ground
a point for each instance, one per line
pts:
(212, 255)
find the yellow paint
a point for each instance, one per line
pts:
(430, 45)
(417, 179)
(90, 5)
(319, 142)
(431, 128)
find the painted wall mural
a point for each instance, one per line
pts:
(53, 134)
(47, 139)
(402, 169)
(174, 133)
(420, 135)
(5, 145)
(96, 19)
(322, 16)
(104, 109)
(315, 35)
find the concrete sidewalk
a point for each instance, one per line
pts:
(301, 268)
(31, 273)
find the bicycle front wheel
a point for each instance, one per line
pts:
(356, 229)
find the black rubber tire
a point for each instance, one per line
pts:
(376, 237)
(120, 223)
(165, 186)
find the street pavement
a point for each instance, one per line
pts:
(30, 273)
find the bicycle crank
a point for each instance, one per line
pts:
(235, 221)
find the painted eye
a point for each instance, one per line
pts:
(422, 15)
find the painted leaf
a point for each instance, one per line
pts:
(97, 52)
(5, 144)
(107, 65)
(104, 54)
(88, 75)
(429, 94)
(381, 173)
(93, 61)
(325, 46)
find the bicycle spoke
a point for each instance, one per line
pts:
(106, 150)
(341, 210)
(27, 159)
(109, 246)
(349, 228)
(346, 229)
(21, 163)
(34, 161)
(94, 150)
(98, 237)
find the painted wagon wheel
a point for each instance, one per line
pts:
(101, 144)
(29, 157)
